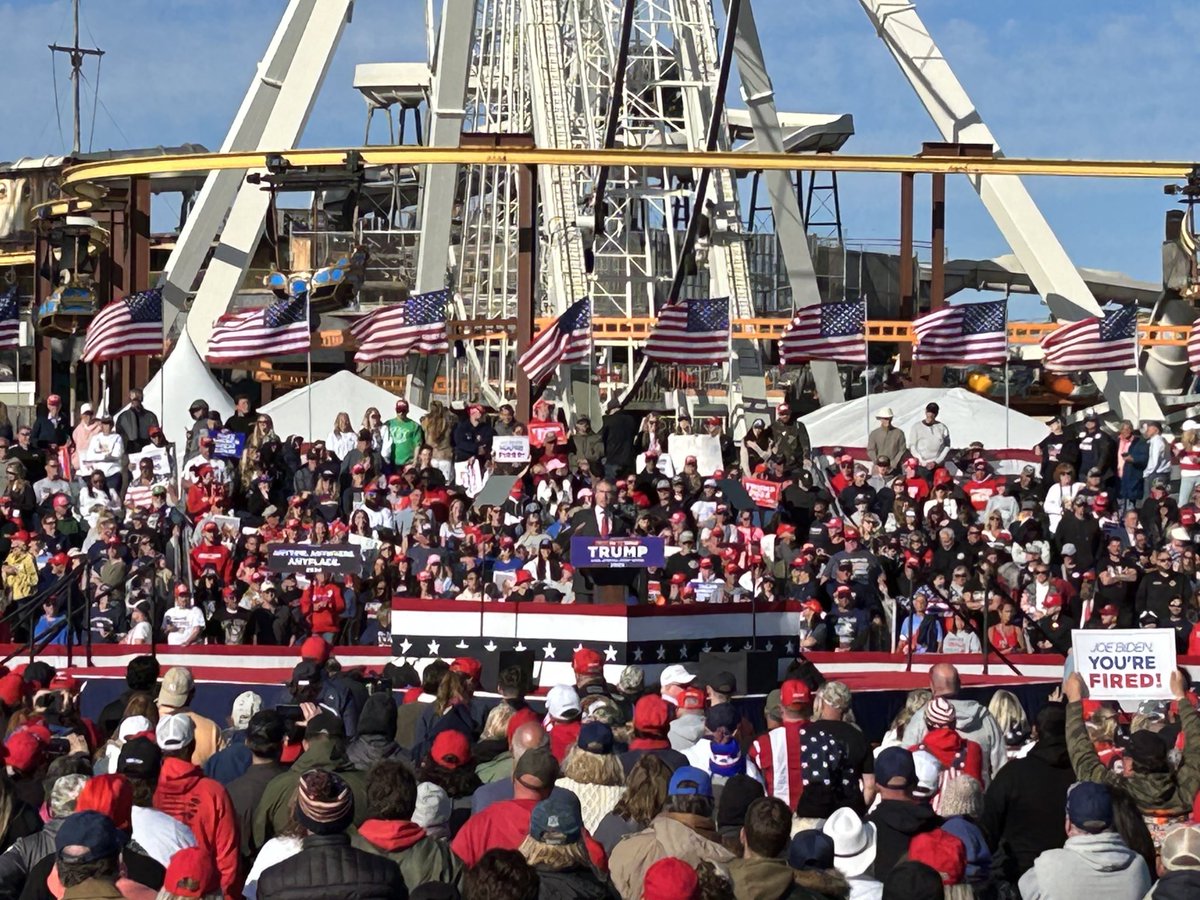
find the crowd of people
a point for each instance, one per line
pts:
(345, 783)
(112, 533)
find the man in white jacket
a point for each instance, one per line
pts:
(929, 441)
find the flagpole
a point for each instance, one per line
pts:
(308, 358)
(1137, 364)
(866, 368)
(1007, 441)
(729, 352)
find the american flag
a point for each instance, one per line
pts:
(568, 339)
(834, 331)
(418, 325)
(1193, 347)
(131, 326)
(10, 319)
(691, 332)
(275, 330)
(970, 333)
(1093, 344)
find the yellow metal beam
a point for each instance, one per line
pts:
(107, 170)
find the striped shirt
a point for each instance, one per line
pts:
(794, 755)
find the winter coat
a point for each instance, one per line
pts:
(421, 858)
(1014, 807)
(328, 867)
(1151, 791)
(368, 749)
(246, 791)
(203, 805)
(596, 800)
(688, 837)
(896, 821)
(572, 884)
(1181, 885)
(974, 723)
(272, 817)
(1134, 471)
(1095, 866)
(611, 829)
(26, 852)
(774, 879)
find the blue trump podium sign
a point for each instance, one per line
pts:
(617, 553)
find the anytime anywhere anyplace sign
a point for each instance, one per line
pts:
(1125, 663)
(336, 559)
(617, 553)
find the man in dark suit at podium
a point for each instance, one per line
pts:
(601, 520)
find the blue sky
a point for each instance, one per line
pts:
(1067, 78)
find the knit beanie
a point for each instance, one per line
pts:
(324, 802)
(378, 715)
(726, 759)
(737, 795)
(940, 713)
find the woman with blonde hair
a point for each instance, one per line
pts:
(1187, 454)
(1006, 709)
(593, 773)
(343, 437)
(555, 848)
(1061, 492)
(372, 421)
(438, 424)
(913, 704)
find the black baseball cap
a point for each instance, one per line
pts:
(723, 683)
(140, 758)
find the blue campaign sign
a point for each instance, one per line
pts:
(617, 553)
(228, 444)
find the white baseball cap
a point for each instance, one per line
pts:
(675, 674)
(562, 702)
(885, 413)
(175, 732)
(245, 705)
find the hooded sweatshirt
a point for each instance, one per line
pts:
(204, 806)
(421, 858)
(1095, 866)
(974, 723)
(1181, 885)
(685, 731)
(896, 821)
(1014, 807)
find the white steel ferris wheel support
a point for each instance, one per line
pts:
(758, 93)
(272, 117)
(1004, 196)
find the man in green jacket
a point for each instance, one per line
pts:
(404, 437)
(1147, 776)
(324, 748)
(389, 830)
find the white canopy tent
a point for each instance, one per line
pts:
(184, 377)
(341, 392)
(969, 417)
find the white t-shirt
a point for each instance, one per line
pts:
(138, 634)
(160, 835)
(182, 621)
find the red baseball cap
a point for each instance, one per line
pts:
(1053, 601)
(524, 576)
(835, 523)
(689, 459)
(1109, 610)
(706, 563)
(651, 715)
(679, 516)
(587, 662)
(451, 749)
(942, 852)
(181, 590)
(670, 879)
(795, 694)
(691, 698)
(23, 751)
(469, 666)
(850, 533)
(191, 873)
(679, 578)
(315, 649)
(814, 605)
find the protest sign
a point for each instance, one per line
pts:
(228, 444)
(470, 476)
(510, 448)
(1125, 663)
(705, 447)
(541, 433)
(617, 553)
(763, 493)
(339, 559)
(157, 455)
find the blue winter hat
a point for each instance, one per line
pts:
(726, 759)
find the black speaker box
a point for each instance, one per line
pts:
(495, 663)
(756, 671)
